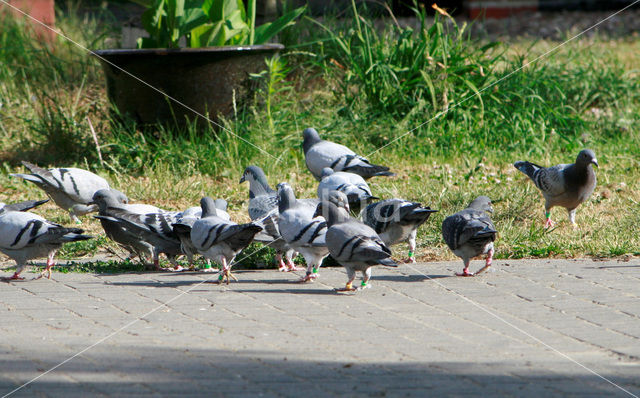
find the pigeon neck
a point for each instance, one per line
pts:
(286, 200)
(208, 207)
(259, 187)
(333, 214)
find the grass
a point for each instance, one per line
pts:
(356, 87)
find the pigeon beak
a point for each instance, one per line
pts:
(242, 179)
(595, 162)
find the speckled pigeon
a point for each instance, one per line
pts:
(397, 220)
(566, 185)
(25, 236)
(470, 233)
(70, 188)
(353, 244)
(220, 240)
(319, 154)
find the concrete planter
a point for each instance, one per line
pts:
(204, 79)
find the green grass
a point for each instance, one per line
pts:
(362, 87)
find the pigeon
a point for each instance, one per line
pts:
(355, 187)
(470, 233)
(397, 220)
(566, 185)
(353, 244)
(319, 154)
(302, 230)
(70, 188)
(140, 233)
(21, 206)
(184, 223)
(220, 240)
(25, 236)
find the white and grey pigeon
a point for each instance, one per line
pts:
(25, 236)
(566, 185)
(140, 233)
(319, 154)
(21, 206)
(263, 202)
(184, 223)
(302, 230)
(220, 240)
(352, 185)
(353, 244)
(70, 188)
(470, 233)
(397, 220)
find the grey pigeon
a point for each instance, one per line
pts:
(25, 236)
(355, 187)
(70, 188)
(566, 185)
(319, 154)
(220, 240)
(21, 206)
(470, 233)
(139, 233)
(353, 244)
(263, 202)
(302, 230)
(397, 220)
(184, 223)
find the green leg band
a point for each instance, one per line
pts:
(548, 214)
(315, 271)
(363, 284)
(410, 253)
(207, 266)
(220, 277)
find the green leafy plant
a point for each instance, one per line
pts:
(205, 23)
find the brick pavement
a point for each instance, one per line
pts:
(270, 337)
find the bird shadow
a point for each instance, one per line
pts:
(614, 266)
(290, 291)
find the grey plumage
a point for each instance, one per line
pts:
(25, 236)
(397, 220)
(70, 188)
(302, 230)
(21, 206)
(320, 154)
(566, 185)
(143, 234)
(220, 240)
(470, 233)
(352, 185)
(353, 244)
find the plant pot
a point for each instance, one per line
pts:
(207, 80)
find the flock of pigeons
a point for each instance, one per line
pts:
(313, 227)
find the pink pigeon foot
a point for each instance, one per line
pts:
(14, 277)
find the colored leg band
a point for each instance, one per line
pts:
(548, 214)
(363, 284)
(315, 271)
(410, 253)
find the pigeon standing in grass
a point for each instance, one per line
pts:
(263, 202)
(355, 187)
(70, 188)
(184, 223)
(220, 240)
(319, 154)
(397, 220)
(353, 244)
(145, 234)
(566, 185)
(25, 236)
(302, 230)
(470, 233)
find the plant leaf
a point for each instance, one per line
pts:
(266, 31)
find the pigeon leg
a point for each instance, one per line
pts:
(312, 273)
(15, 276)
(548, 223)
(349, 287)
(282, 267)
(465, 271)
(488, 262)
(291, 266)
(366, 275)
(47, 269)
(74, 218)
(411, 257)
(572, 217)
(225, 274)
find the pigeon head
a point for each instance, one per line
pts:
(337, 198)
(108, 198)
(481, 203)
(221, 204)
(208, 206)
(310, 136)
(286, 197)
(586, 157)
(257, 181)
